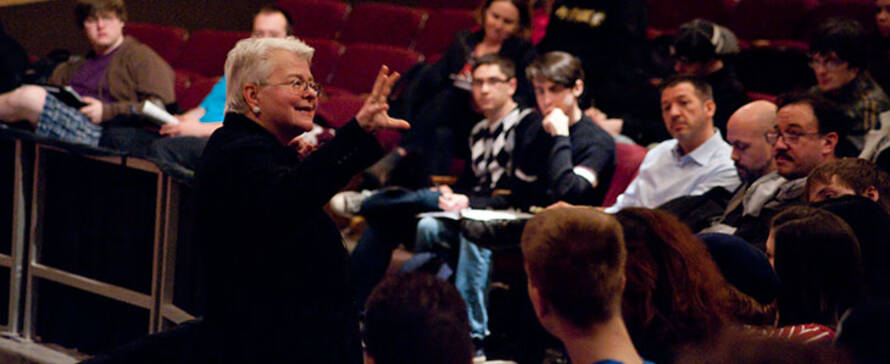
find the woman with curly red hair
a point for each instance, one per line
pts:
(675, 294)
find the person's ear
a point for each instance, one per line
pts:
(578, 88)
(250, 94)
(710, 107)
(511, 83)
(872, 193)
(829, 143)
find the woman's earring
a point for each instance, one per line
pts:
(256, 110)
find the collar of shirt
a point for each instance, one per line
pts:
(701, 155)
(511, 119)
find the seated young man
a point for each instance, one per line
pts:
(116, 76)
(577, 169)
(416, 318)
(574, 258)
(848, 176)
(503, 158)
(839, 59)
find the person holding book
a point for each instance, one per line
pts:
(114, 79)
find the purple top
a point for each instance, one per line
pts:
(90, 77)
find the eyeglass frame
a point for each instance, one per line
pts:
(773, 136)
(829, 63)
(490, 81)
(300, 85)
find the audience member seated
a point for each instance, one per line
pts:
(675, 297)
(178, 154)
(879, 65)
(839, 59)
(439, 102)
(871, 224)
(700, 49)
(810, 131)
(577, 169)
(416, 318)
(279, 285)
(575, 261)
(504, 158)
(695, 161)
(764, 192)
(116, 76)
(817, 258)
(848, 176)
(582, 157)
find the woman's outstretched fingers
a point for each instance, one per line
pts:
(379, 83)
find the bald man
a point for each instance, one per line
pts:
(763, 191)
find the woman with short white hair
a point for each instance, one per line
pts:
(277, 273)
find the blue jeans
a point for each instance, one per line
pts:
(389, 214)
(473, 273)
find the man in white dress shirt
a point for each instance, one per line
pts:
(694, 161)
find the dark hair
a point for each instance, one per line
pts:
(846, 38)
(819, 266)
(558, 67)
(855, 173)
(508, 68)
(273, 9)
(575, 257)
(871, 224)
(693, 43)
(829, 116)
(675, 294)
(417, 318)
(525, 15)
(87, 8)
(702, 88)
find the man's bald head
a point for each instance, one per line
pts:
(746, 132)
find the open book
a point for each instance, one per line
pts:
(65, 94)
(478, 215)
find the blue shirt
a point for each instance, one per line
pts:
(215, 103)
(666, 174)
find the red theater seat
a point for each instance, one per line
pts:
(206, 50)
(451, 4)
(166, 40)
(628, 158)
(316, 18)
(358, 66)
(670, 14)
(339, 110)
(862, 11)
(327, 52)
(440, 29)
(383, 24)
(195, 93)
(770, 19)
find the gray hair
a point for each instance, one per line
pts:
(248, 62)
